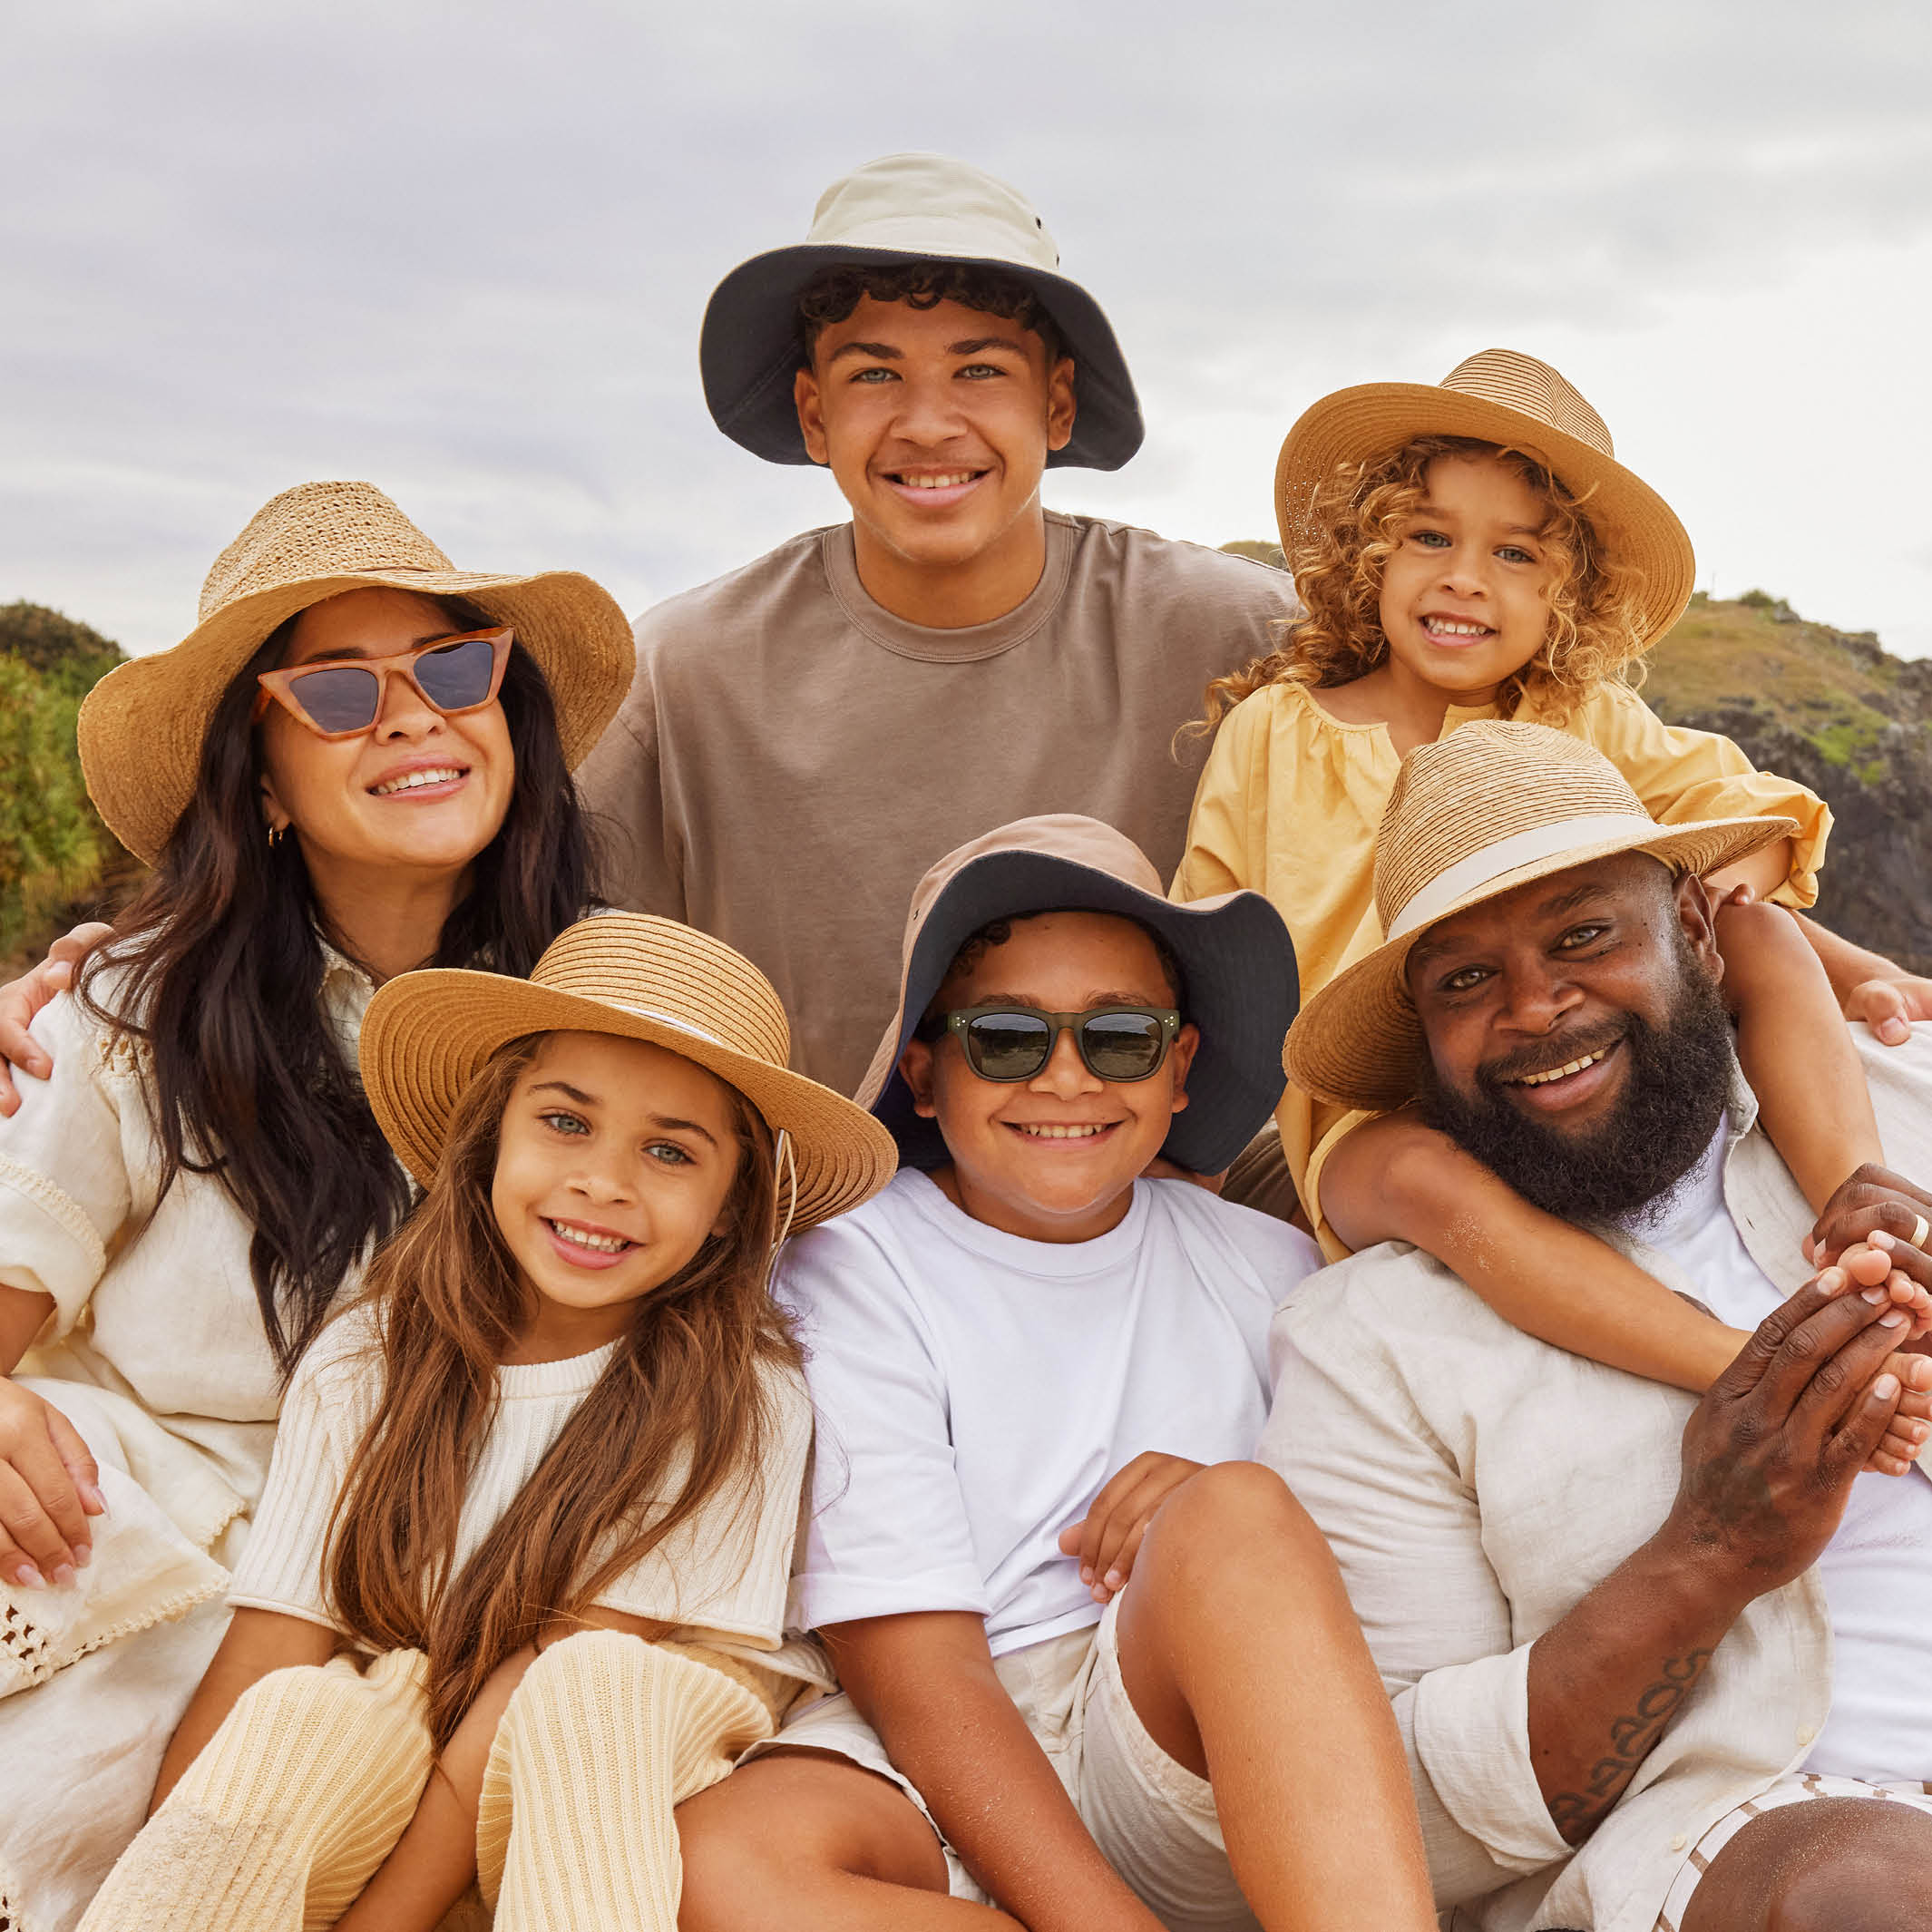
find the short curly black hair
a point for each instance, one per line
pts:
(833, 292)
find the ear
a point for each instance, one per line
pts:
(1060, 403)
(1180, 1056)
(274, 812)
(1696, 908)
(808, 399)
(915, 1068)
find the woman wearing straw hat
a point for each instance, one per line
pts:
(356, 762)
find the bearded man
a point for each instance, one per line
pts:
(1657, 1662)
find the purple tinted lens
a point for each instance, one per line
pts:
(456, 676)
(338, 696)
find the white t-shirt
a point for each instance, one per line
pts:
(1877, 1570)
(975, 1389)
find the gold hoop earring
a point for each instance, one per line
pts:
(275, 836)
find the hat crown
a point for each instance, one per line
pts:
(1490, 780)
(700, 984)
(933, 204)
(1521, 383)
(317, 530)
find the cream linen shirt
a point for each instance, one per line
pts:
(155, 1325)
(1476, 1483)
(1291, 795)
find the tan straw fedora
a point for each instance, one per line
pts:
(1498, 396)
(142, 726)
(426, 1035)
(901, 209)
(1474, 816)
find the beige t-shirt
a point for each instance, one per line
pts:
(793, 757)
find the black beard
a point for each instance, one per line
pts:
(1673, 1097)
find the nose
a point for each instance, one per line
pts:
(1536, 994)
(603, 1174)
(405, 713)
(1066, 1073)
(1465, 570)
(929, 411)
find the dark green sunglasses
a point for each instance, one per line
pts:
(1005, 1042)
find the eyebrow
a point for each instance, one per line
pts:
(1426, 949)
(671, 1123)
(1511, 530)
(976, 345)
(668, 1123)
(1092, 1000)
(884, 351)
(356, 654)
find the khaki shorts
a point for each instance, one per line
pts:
(1152, 1819)
(1794, 1790)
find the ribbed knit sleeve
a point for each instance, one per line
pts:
(729, 1569)
(329, 1400)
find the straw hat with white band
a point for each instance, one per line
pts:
(902, 209)
(1502, 397)
(142, 726)
(1490, 808)
(427, 1035)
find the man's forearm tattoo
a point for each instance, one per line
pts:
(1577, 1814)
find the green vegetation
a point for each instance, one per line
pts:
(53, 849)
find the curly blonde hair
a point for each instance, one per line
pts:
(1351, 527)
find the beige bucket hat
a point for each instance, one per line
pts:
(428, 1034)
(142, 726)
(1491, 807)
(1498, 396)
(906, 208)
(1235, 954)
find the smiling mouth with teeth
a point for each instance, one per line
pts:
(1085, 1131)
(1560, 1073)
(951, 480)
(582, 1237)
(412, 781)
(1451, 626)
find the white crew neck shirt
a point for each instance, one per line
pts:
(1877, 1570)
(975, 1389)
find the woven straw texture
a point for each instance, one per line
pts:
(1359, 1043)
(427, 1035)
(1498, 396)
(143, 725)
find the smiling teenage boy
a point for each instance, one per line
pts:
(954, 655)
(1020, 1356)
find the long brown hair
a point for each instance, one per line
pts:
(677, 1417)
(1354, 524)
(218, 969)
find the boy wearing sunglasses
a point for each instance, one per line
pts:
(1025, 1359)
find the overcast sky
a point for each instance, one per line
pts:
(462, 251)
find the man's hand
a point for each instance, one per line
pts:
(49, 1487)
(1889, 1006)
(23, 998)
(1109, 1539)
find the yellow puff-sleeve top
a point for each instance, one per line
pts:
(1289, 803)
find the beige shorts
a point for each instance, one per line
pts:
(1794, 1790)
(1152, 1819)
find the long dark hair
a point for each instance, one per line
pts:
(680, 1416)
(217, 967)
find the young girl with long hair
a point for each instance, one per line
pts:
(357, 762)
(539, 1487)
(1474, 550)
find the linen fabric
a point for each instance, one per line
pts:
(1476, 1483)
(155, 1352)
(792, 757)
(720, 1576)
(1154, 1820)
(974, 1390)
(1289, 803)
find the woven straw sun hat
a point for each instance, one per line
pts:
(1498, 396)
(143, 725)
(1234, 955)
(1490, 808)
(906, 208)
(428, 1034)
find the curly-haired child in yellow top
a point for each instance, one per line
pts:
(1474, 550)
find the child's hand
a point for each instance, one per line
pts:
(1911, 1421)
(1883, 1210)
(1109, 1539)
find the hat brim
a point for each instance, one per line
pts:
(1242, 991)
(748, 352)
(141, 728)
(1636, 525)
(1359, 1043)
(426, 1035)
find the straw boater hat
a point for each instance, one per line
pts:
(1490, 808)
(428, 1034)
(1234, 953)
(905, 207)
(1498, 396)
(142, 726)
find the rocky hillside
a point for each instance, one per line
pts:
(1833, 710)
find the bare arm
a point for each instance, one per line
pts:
(258, 1642)
(926, 1683)
(1768, 1459)
(48, 1484)
(1762, 871)
(21, 999)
